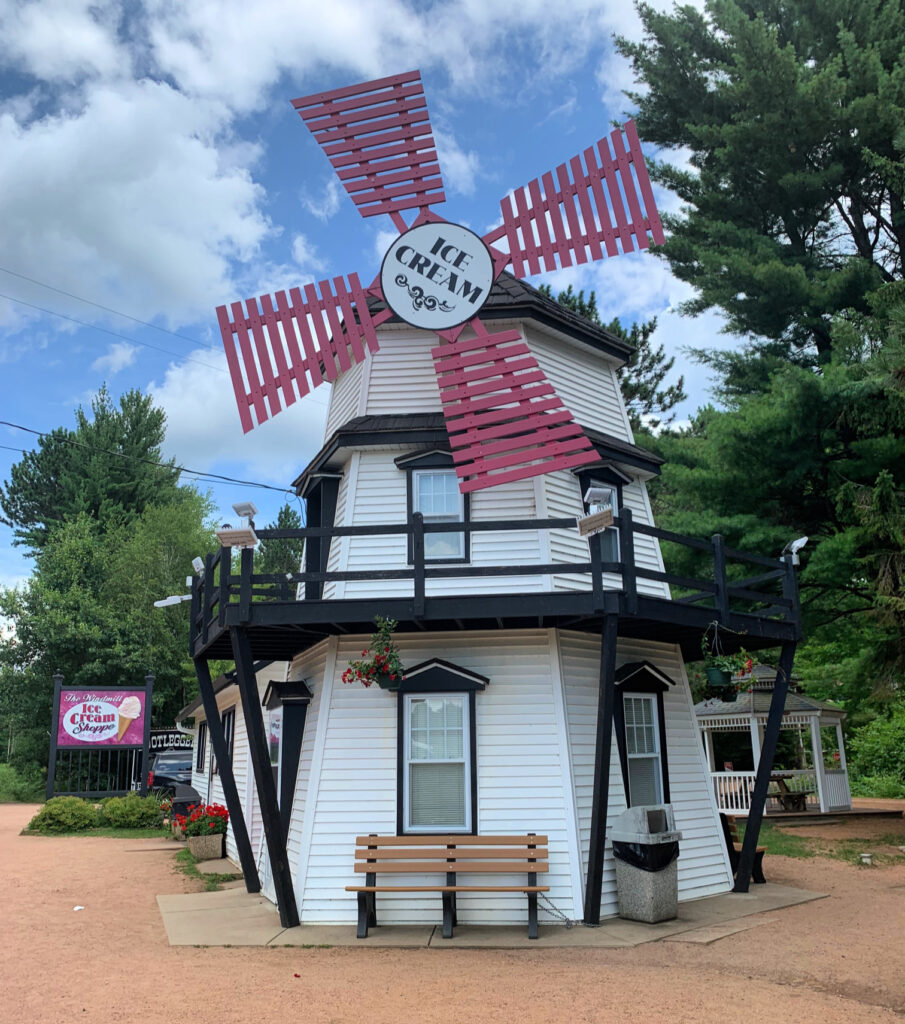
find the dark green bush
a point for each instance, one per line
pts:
(886, 787)
(64, 814)
(132, 811)
(878, 748)
(17, 786)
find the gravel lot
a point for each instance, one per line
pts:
(834, 960)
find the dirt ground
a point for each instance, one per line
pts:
(835, 960)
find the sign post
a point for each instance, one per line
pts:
(101, 731)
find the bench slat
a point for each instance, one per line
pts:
(447, 888)
(451, 840)
(435, 867)
(442, 853)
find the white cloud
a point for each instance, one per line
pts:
(203, 429)
(120, 355)
(458, 167)
(305, 255)
(563, 111)
(326, 205)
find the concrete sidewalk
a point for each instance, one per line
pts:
(233, 917)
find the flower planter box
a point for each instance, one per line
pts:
(385, 683)
(206, 847)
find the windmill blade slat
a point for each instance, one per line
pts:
(261, 339)
(597, 197)
(357, 124)
(504, 419)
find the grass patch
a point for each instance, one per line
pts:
(787, 844)
(187, 864)
(106, 833)
(779, 842)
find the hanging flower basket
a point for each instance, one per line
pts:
(380, 662)
(717, 678)
(719, 668)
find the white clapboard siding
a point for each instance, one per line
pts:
(345, 397)
(584, 380)
(402, 376)
(703, 867)
(522, 786)
(647, 549)
(380, 497)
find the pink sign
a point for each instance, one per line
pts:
(101, 718)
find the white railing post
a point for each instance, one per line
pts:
(817, 748)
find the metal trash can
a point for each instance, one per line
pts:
(646, 851)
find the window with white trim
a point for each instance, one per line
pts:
(642, 748)
(436, 495)
(437, 763)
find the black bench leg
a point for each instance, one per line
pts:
(372, 909)
(455, 909)
(448, 915)
(363, 914)
(757, 871)
(532, 915)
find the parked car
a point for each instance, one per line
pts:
(169, 769)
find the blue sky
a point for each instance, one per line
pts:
(152, 163)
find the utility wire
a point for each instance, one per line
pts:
(107, 309)
(198, 473)
(115, 334)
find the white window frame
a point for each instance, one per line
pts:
(591, 507)
(658, 743)
(467, 740)
(417, 475)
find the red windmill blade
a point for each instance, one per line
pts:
(504, 418)
(377, 136)
(588, 207)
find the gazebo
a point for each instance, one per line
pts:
(815, 788)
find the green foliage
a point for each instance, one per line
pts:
(131, 811)
(109, 468)
(64, 814)
(642, 380)
(881, 787)
(283, 555)
(87, 610)
(793, 115)
(19, 787)
(878, 749)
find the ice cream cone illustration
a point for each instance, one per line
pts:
(128, 711)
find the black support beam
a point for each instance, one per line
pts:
(764, 768)
(263, 772)
(601, 769)
(227, 779)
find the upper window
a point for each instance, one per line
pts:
(437, 763)
(437, 497)
(642, 748)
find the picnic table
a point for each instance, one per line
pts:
(789, 800)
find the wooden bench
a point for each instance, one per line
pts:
(734, 848)
(449, 855)
(791, 799)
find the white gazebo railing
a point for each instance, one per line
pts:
(733, 790)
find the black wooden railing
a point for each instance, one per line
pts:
(771, 593)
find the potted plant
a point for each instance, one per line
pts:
(719, 668)
(204, 828)
(380, 662)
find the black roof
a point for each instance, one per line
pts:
(511, 298)
(429, 430)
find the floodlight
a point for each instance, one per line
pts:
(198, 564)
(246, 509)
(793, 547)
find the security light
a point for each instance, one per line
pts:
(245, 509)
(198, 564)
(793, 547)
(165, 602)
(598, 495)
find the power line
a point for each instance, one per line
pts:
(107, 309)
(115, 334)
(197, 473)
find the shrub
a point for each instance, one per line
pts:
(132, 811)
(878, 749)
(64, 814)
(886, 787)
(18, 787)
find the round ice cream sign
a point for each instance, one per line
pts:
(437, 275)
(104, 717)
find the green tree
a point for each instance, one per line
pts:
(648, 397)
(109, 467)
(793, 116)
(281, 555)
